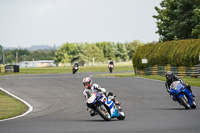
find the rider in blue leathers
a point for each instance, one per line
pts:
(170, 78)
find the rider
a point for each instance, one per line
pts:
(91, 88)
(76, 65)
(111, 62)
(170, 78)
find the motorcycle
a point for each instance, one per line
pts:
(110, 66)
(182, 95)
(105, 107)
(75, 69)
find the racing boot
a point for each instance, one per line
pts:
(116, 102)
(173, 98)
(194, 97)
(93, 113)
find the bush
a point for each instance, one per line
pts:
(177, 53)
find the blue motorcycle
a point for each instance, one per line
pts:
(182, 95)
(104, 106)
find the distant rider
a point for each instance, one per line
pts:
(91, 88)
(111, 63)
(170, 78)
(76, 65)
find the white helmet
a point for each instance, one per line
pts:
(87, 82)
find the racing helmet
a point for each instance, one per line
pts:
(87, 82)
(169, 75)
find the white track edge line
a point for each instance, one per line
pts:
(30, 108)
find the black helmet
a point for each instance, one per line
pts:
(169, 75)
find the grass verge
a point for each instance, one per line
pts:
(10, 107)
(131, 74)
(68, 69)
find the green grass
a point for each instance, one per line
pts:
(10, 107)
(68, 69)
(130, 74)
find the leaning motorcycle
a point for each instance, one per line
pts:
(105, 107)
(182, 95)
(110, 67)
(75, 69)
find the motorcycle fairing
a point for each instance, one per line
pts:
(178, 90)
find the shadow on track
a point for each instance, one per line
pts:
(171, 109)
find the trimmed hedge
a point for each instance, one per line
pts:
(177, 53)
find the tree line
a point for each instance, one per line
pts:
(71, 52)
(17, 55)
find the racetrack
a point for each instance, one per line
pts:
(59, 106)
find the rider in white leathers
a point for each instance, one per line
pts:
(91, 88)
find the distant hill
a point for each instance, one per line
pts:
(41, 47)
(34, 47)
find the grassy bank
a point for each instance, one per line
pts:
(10, 107)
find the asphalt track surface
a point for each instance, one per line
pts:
(59, 106)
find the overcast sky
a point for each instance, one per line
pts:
(47, 22)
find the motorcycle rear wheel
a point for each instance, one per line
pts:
(184, 102)
(110, 69)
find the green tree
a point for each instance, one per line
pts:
(132, 46)
(19, 54)
(81, 56)
(178, 19)
(92, 51)
(108, 48)
(196, 30)
(67, 53)
(121, 51)
(1, 54)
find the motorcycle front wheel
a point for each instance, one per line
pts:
(102, 111)
(194, 105)
(122, 114)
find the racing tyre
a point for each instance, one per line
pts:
(102, 111)
(110, 70)
(122, 116)
(184, 102)
(74, 71)
(194, 105)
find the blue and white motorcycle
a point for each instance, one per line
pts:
(105, 107)
(182, 95)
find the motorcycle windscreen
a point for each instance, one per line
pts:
(176, 87)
